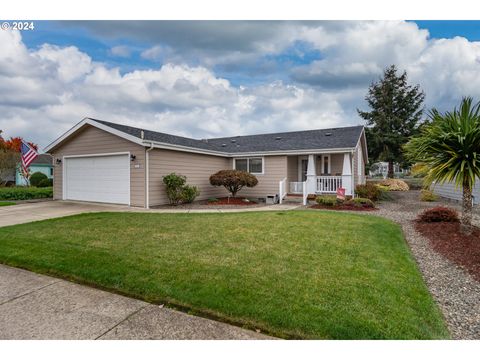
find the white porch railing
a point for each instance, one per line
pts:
(282, 190)
(328, 184)
(296, 187)
(305, 193)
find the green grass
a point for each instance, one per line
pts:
(300, 274)
(6, 203)
(25, 193)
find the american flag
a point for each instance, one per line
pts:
(28, 155)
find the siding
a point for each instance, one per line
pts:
(91, 140)
(336, 164)
(447, 190)
(196, 167)
(292, 169)
(275, 170)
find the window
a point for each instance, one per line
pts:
(326, 164)
(51, 171)
(252, 165)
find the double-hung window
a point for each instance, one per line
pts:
(252, 165)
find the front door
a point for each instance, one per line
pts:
(304, 167)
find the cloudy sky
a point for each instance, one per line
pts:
(208, 79)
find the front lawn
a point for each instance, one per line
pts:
(299, 274)
(25, 193)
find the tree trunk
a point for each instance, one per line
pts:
(390, 169)
(467, 208)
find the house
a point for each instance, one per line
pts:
(380, 168)
(448, 190)
(42, 163)
(106, 162)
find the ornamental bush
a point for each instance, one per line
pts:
(328, 200)
(439, 214)
(233, 180)
(395, 185)
(428, 195)
(174, 187)
(360, 202)
(369, 191)
(189, 193)
(36, 178)
(45, 183)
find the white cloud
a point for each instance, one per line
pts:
(121, 51)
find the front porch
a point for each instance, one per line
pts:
(315, 174)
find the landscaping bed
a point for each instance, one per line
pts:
(298, 274)
(25, 193)
(231, 201)
(343, 207)
(447, 239)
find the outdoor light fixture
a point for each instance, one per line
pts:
(132, 157)
(58, 161)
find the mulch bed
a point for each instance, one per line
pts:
(448, 240)
(343, 208)
(231, 201)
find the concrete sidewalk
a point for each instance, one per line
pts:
(28, 212)
(35, 306)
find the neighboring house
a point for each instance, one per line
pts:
(380, 168)
(112, 163)
(43, 163)
(448, 190)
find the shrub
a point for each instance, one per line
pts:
(361, 202)
(25, 193)
(37, 177)
(233, 180)
(211, 200)
(174, 185)
(428, 195)
(45, 183)
(369, 191)
(419, 170)
(395, 185)
(189, 193)
(439, 214)
(328, 200)
(414, 183)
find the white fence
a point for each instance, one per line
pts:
(282, 190)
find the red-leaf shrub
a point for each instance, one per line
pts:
(233, 180)
(439, 214)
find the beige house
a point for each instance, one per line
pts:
(111, 163)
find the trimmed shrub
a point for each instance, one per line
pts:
(369, 191)
(439, 214)
(25, 193)
(428, 195)
(212, 200)
(328, 200)
(233, 180)
(361, 202)
(174, 186)
(395, 185)
(37, 177)
(45, 183)
(189, 193)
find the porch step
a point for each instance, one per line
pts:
(293, 199)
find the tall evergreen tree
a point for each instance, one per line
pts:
(396, 109)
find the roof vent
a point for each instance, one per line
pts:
(278, 138)
(205, 140)
(328, 134)
(142, 135)
(233, 140)
(223, 145)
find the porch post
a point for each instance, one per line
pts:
(311, 175)
(347, 174)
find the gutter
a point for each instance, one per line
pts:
(147, 175)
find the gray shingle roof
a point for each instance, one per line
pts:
(43, 159)
(334, 138)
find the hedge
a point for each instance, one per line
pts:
(25, 193)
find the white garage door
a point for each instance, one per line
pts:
(98, 178)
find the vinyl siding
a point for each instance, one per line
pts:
(196, 167)
(292, 168)
(447, 190)
(275, 169)
(91, 140)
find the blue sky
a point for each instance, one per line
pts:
(220, 78)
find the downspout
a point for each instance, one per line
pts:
(147, 175)
(353, 175)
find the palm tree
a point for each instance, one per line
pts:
(450, 146)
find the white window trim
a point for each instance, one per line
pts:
(329, 164)
(248, 164)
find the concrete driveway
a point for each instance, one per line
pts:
(27, 212)
(34, 306)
